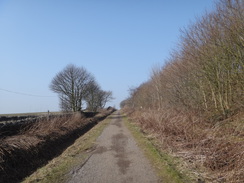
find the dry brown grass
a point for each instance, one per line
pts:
(214, 151)
(35, 145)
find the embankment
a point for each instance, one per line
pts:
(22, 154)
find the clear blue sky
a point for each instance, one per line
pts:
(118, 41)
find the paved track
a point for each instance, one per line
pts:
(116, 159)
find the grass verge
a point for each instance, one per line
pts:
(57, 170)
(164, 163)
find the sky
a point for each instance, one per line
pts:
(118, 41)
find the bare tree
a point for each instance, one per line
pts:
(96, 98)
(92, 96)
(105, 96)
(72, 86)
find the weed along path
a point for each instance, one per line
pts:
(116, 158)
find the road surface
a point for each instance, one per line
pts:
(116, 159)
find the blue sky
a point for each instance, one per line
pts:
(118, 41)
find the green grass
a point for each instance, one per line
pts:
(57, 170)
(164, 163)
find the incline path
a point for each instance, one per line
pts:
(116, 159)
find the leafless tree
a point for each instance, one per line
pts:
(92, 96)
(96, 98)
(105, 96)
(71, 84)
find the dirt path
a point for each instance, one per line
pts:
(116, 159)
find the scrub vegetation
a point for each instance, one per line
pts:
(194, 104)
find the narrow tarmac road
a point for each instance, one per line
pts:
(116, 159)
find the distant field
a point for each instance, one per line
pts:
(25, 117)
(30, 114)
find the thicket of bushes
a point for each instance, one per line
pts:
(206, 73)
(196, 100)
